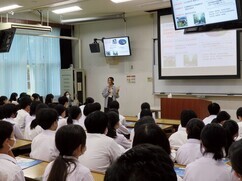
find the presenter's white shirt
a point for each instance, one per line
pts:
(209, 119)
(20, 118)
(30, 134)
(178, 138)
(16, 129)
(208, 169)
(80, 173)
(101, 152)
(43, 146)
(189, 152)
(123, 141)
(9, 170)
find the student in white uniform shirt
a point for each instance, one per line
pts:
(113, 125)
(210, 166)
(9, 169)
(213, 110)
(144, 162)
(64, 101)
(239, 117)
(102, 151)
(89, 100)
(236, 159)
(32, 113)
(61, 110)
(13, 98)
(70, 140)
(43, 145)
(179, 138)
(191, 150)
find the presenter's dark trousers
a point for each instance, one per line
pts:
(106, 109)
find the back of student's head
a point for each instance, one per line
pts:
(3, 99)
(13, 97)
(67, 139)
(239, 112)
(33, 106)
(236, 161)
(89, 100)
(40, 106)
(87, 109)
(46, 117)
(142, 163)
(213, 138)
(194, 128)
(114, 110)
(235, 145)
(91, 107)
(36, 97)
(24, 102)
(231, 127)
(186, 115)
(96, 122)
(143, 120)
(9, 110)
(63, 100)
(49, 98)
(6, 130)
(213, 108)
(145, 112)
(60, 109)
(152, 134)
(74, 112)
(114, 105)
(145, 105)
(113, 120)
(221, 117)
(96, 106)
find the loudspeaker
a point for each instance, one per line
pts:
(6, 38)
(94, 47)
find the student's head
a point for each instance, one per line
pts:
(40, 106)
(89, 100)
(49, 98)
(143, 120)
(213, 139)
(142, 163)
(194, 128)
(74, 112)
(239, 113)
(235, 145)
(152, 134)
(70, 140)
(96, 106)
(2, 115)
(186, 115)
(25, 103)
(221, 117)
(213, 108)
(13, 97)
(47, 118)
(113, 123)
(63, 100)
(114, 105)
(110, 81)
(3, 100)
(7, 139)
(236, 160)
(145, 105)
(96, 122)
(10, 110)
(145, 112)
(33, 106)
(232, 129)
(36, 97)
(67, 94)
(61, 110)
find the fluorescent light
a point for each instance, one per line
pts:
(120, 1)
(10, 7)
(67, 10)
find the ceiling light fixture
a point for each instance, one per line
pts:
(67, 10)
(120, 1)
(10, 7)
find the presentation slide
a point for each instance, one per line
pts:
(116, 46)
(190, 13)
(197, 54)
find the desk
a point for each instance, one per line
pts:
(21, 143)
(162, 126)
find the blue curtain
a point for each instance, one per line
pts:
(32, 65)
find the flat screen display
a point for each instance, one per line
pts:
(194, 13)
(117, 46)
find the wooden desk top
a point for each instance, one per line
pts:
(21, 143)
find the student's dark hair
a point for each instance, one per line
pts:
(60, 109)
(89, 100)
(213, 138)
(194, 128)
(6, 130)
(96, 106)
(24, 102)
(152, 134)
(67, 139)
(33, 107)
(111, 78)
(87, 109)
(91, 107)
(114, 110)
(114, 105)
(236, 160)
(222, 116)
(143, 120)
(2, 99)
(73, 113)
(62, 100)
(9, 109)
(46, 117)
(232, 129)
(48, 98)
(213, 108)
(113, 119)
(2, 115)
(144, 162)
(145, 105)
(186, 115)
(145, 112)
(66, 92)
(239, 112)
(235, 145)
(13, 97)
(22, 94)
(96, 122)
(40, 106)
(35, 96)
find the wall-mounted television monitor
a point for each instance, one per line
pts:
(117, 46)
(6, 38)
(190, 13)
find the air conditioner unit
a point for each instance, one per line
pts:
(4, 26)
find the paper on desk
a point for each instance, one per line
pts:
(180, 171)
(26, 162)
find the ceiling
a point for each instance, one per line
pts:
(91, 8)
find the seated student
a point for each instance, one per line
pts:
(191, 150)
(221, 117)
(179, 138)
(10, 111)
(102, 150)
(88, 100)
(32, 129)
(49, 99)
(13, 98)
(213, 110)
(113, 125)
(24, 103)
(9, 169)
(232, 130)
(144, 162)
(70, 140)
(145, 105)
(114, 105)
(236, 162)
(3, 100)
(61, 110)
(35, 97)
(239, 117)
(211, 165)
(32, 113)
(64, 101)
(43, 145)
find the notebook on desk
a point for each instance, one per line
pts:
(179, 171)
(26, 162)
